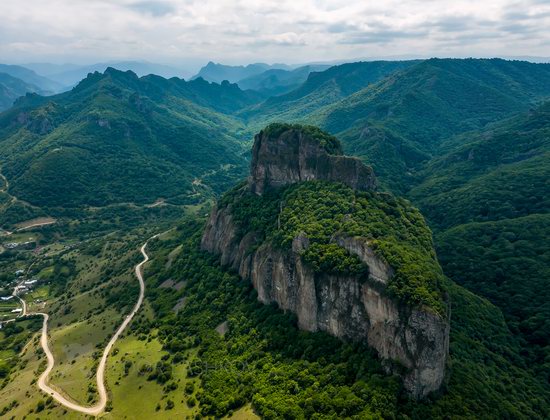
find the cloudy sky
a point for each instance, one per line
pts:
(293, 31)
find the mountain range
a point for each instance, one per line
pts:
(464, 140)
(12, 88)
(215, 72)
(117, 138)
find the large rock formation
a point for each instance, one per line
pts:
(342, 305)
(294, 156)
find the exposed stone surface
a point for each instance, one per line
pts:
(347, 307)
(343, 306)
(295, 156)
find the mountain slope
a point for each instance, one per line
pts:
(278, 81)
(116, 138)
(31, 77)
(321, 89)
(12, 88)
(488, 198)
(498, 173)
(398, 123)
(317, 374)
(214, 72)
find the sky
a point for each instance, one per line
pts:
(291, 31)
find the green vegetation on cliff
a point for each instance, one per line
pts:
(263, 358)
(322, 210)
(328, 142)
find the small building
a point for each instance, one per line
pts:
(16, 311)
(6, 298)
(19, 272)
(30, 282)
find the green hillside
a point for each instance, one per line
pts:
(321, 89)
(11, 88)
(286, 373)
(499, 173)
(508, 262)
(278, 81)
(117, 138)
(489, 201)
(398, 123)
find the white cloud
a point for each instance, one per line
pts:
(238, 31)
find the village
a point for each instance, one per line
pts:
(12, 305)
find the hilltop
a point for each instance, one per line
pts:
(311, 235)
(119, 138)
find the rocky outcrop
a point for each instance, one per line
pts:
(295, 156)
(412, 341)
(344, 306)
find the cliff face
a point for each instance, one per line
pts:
(295, 156)
(345, 306)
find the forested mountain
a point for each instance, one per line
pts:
(214, 72)
(320, 89)
(398, 123)
(12, 88)
(30, 77)
(489, 375)
(489, 200)
(278, 81)
(118, 138)
(466, 141)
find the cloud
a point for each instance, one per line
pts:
(240, 31)
(381, 37)
(153, 8)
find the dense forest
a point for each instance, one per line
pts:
(464, 141)
(263, 358)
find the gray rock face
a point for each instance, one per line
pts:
(347, 307)
(343, 306)
(294, 156)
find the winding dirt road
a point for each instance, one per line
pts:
(6, 185)
(50, 222)
(100, 375)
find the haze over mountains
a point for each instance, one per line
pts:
(465, 140)
(48, 78)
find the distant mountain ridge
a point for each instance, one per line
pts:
(214, 72)
(321, 89)
(30, 77)
(278, 81)
(11, 88)
(72, 76)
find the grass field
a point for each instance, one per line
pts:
(73, 347)
(83, 316)
(23, 390)
(6, 309)
(20, 237)
(134, 393)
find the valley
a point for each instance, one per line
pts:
(179, 330)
